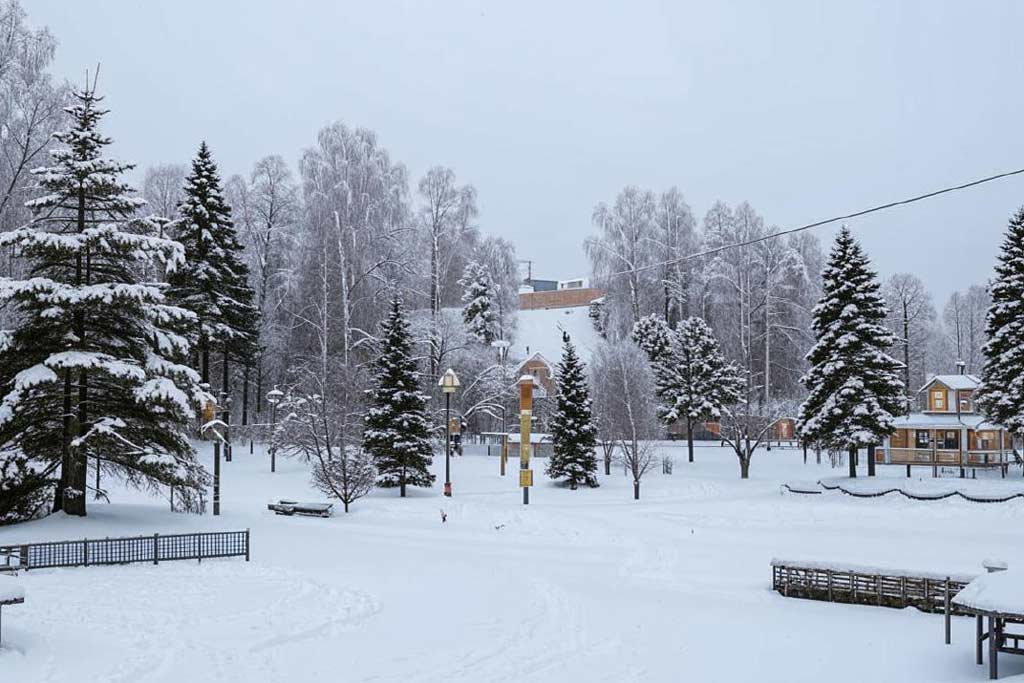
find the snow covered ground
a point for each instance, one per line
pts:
(585, 585)
(541, 331)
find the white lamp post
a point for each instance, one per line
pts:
(449, 382)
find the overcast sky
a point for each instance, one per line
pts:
(806, 110)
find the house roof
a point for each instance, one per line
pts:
(537, 356)
(939, 421)
(955, 381)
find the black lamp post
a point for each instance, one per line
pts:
(502, 346)
(273, 398)
(449, 382)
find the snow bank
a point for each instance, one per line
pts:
(997, 592)
(871, 569)
(11, 589)
(540, 331)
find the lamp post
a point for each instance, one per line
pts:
(273, 398)
(449, 382)
(502, 346)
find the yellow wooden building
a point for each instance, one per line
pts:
(949, 432)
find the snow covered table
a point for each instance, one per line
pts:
(999, 596)
(11, 593)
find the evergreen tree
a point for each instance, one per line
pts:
(397, 430)
(214, 284)
(1001, 396)
(572, 427)
(654, 337)
(478, 295)
(92, 368)
(854, 385)
(693, 379)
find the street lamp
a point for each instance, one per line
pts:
(273, 398)
(449, 382)
(502, 346)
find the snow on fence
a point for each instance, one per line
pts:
(877, 491)
(928, 592)
(156, 548)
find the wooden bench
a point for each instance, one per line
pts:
(291, 507)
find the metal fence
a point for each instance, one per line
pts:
(156, 548)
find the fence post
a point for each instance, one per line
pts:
(247, 545)
(85, 551)
(156, 548)
(24, 557)
(828, 576)
(199, 544)
(947, 606)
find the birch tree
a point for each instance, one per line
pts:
(964, 318)
(911, 320)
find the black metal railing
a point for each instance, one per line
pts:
(156, 548)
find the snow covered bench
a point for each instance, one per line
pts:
(999, 597)
(291, 507)
(11, 593)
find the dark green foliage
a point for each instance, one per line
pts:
(573, 432)
(397, 432)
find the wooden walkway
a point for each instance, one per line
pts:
(866, 586)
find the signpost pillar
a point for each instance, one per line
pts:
(525, 415)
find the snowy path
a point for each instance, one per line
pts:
(581, 585)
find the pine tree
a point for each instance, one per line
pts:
(478, 295)
(653, 335)
(854, 385)
(214, 284)
(694, 381)
(572, 427)
(1001, 396)
(92, 368)
(397, 432)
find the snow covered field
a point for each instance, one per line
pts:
(586, 585)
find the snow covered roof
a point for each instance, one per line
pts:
(955, 381)
(11, 589)
(938, 421)
(1001, 592)
(536, 356)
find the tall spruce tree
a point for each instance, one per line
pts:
(478, 297)
(854, 385)
(397, 431)
(694, 381)
(214, 284)
(1001, 396)
(92, 368)
(573, 432)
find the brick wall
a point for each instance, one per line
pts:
(562, 298)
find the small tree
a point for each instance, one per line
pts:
(854, 386)
(627, 408)
(572, 428)
(654, 337)
(694, 382)
(397, 431)
(745, 431)
(478, 295)
(322, 424)
(1001, 397)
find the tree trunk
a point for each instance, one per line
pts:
(906, 353)
(345, 502)
(204, 359)
(853, 462)
(636, 490)
(607, 461)
(745, 467)
(66, 463)
(689, 438)
(245, 396)
(871, 461)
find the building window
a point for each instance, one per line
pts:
(924, 439)
(949, 440)
(938, 400)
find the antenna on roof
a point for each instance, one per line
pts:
(961, 367)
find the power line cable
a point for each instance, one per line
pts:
(818, 224)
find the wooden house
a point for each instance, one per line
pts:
(543, 373)
(948, 431)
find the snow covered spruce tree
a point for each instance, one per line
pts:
(573, 432)
(92, 368)
(214, 284)
(693, 379)
(1001, 396)
(854, 385)
(478, 295)
(654, 337)
(397, 431)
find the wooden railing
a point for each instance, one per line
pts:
(864, 586)
(156, 548)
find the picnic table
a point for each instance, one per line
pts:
(998, 597)
(291, 507)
